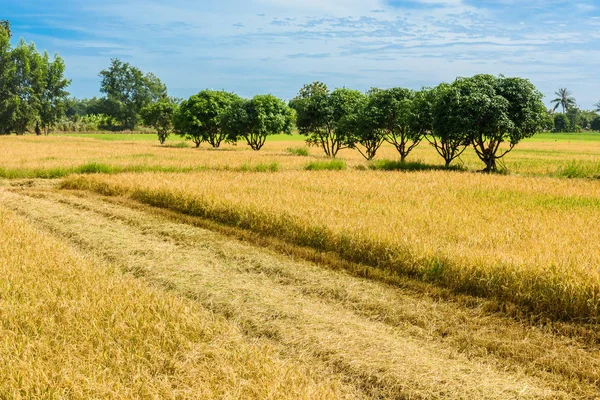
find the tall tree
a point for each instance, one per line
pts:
(564, 100)
(497, 111)
(365, 126)
(561, 123)
(28, 85)
(392, 111)
(53, 99)
(7, 71)
(130, 90)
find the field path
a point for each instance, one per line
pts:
(382, 341)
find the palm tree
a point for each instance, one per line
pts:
(597, 105)
(564, 99)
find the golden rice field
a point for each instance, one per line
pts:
(72, 327)
(532, 241)
(58, 156)
(148, 271)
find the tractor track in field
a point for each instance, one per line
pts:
(382, 341)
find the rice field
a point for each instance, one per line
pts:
(122, 273)
(73, 327)
(532, 241)
(552, 155)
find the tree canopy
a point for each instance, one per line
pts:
(32, 86)
(255, 119)
(129, 90)
(200, 118)
(324, 116)
(491, 111)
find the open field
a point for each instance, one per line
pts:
(273, 281)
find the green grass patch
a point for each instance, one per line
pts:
(331, 165)
(88, 168)
(298, 151)
(262, 167)
(394, 165)
(588, 136)
(578, 170)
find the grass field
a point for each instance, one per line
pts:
(282, 274)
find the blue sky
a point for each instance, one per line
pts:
(275, 46)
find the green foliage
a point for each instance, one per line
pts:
(494, 110)
(548, 122)
(160, 116)
(200, 118)
(330, 165)
(399, 116)
(26, 85)
(448, 136)
(32, 87)
(53, 102)
(7, 91)
(128, 90)
(93, 106)
(326, 117)
(5, 26)
(561, 123)
(580, 119)
(256, 119)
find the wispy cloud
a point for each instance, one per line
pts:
(277, 45)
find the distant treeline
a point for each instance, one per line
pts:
(488, 113)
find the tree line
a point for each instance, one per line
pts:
(490, 114)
